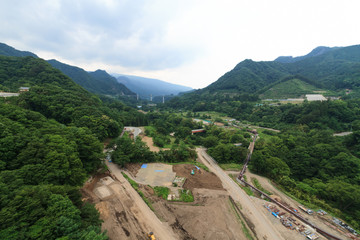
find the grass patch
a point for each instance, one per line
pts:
(186, 195)
(244, 228)
(135, 185)
(231, 166)
(258, 186)
(162, 192)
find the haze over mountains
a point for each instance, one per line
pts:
(149, 86)
(100, 82)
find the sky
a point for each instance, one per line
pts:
(186, 42)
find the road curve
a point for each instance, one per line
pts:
(263, 228)
(161, 230)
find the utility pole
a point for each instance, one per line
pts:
(163, 99)
(137, 97)
(150, 97)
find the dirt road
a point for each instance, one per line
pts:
(143, 213)
(262, 226)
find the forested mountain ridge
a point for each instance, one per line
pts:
(334, 69)
(94, 82)
(49, 143)
(6, 50)
(315, 52)
(56, 96)
(149, 86)
(99, 82)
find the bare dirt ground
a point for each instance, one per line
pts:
(209, 217)
(320, 221)
(201, 179)
(119, 221)
(149, 142)
(261, 225)
(124, 212)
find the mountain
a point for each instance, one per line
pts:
(148, 86)
(6, 50)
(315, 52)
(99, 82)
(328, 68)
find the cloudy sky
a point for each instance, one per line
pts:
(188, 42)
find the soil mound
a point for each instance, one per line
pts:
(201, 178)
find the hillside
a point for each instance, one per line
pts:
(99, 82)
(49, 143)
(292, 88)
(328, 68)
(148, 86)
(6, 50)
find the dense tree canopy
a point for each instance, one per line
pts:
(313, 164)
(41, 164)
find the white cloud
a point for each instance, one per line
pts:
(189, 42)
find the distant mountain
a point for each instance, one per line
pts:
(148, 86)
(315, 52)
(6, 50)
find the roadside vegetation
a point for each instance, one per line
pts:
(245, 230)
(231, 166)
(135, 185)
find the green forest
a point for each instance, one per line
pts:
(314, 166)
(51, 141)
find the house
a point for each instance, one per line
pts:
(24, 89)
(197, 131)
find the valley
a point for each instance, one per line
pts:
(174, 171)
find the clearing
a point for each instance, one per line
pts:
(126, 216)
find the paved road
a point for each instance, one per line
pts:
(161, 230)
(263, 227)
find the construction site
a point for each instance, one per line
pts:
(220, 208)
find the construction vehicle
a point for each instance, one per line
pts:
(151, 236)
(308, 211)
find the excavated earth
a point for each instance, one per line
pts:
(210, 216)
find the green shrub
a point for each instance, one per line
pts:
(162, 192)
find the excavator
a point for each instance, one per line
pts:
(151, 236)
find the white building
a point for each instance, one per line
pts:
(315, 97)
